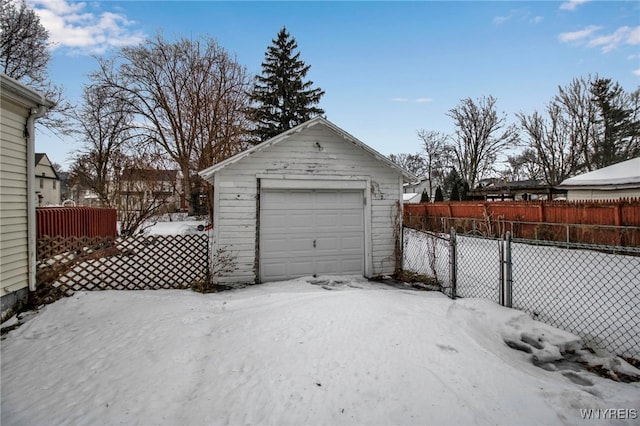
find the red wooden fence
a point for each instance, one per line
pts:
(608, 222)
(75, 222)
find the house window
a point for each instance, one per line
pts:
(54, 184)
(41, 183)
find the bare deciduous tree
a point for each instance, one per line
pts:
(574, 105)
(24, 43)
(591, 123)
(106, 128)
(24, 56)
(413, 163)
(522, 166)
(480, 137)
(557, 148)
(180, 91)
(436, 155)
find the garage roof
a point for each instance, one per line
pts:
(208, 173)
(621, 175)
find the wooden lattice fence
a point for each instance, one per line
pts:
(134, 263)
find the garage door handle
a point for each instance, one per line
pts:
(314, 243)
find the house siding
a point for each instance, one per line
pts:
(597, 194)
(49, 192)
(236, 194)
(14, 258)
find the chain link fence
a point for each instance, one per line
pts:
(592, 291)
(426, 257)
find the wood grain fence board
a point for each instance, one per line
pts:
(134, 263)
(75, 221)
(596, 222)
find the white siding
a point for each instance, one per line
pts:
(236, 189)
(47, 184)
(14, 260)
(595, 194)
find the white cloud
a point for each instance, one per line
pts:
(400, 100)
(423, 100)
(608, 42)
(536, 19)
(71, 26)
(623, 35)
(578, 35)
(520, 15)
(634, 36)
(636, 72)
(572, 4)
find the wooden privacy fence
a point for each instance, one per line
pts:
(600, 222)
(67, 227)
(76, 222)
(133, 263)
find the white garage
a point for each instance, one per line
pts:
(312, 201)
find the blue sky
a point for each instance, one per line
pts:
(388, 68)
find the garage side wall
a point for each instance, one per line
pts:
(315, 152)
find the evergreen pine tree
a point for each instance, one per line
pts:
(619, 122)
(455, 193)
(439, 196)
(424, 198)
(454, 185)
(282, 98)
(466, 191)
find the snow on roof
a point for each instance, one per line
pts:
(411, 197)
(625, 173)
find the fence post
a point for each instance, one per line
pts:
(508, 273)
(453, 270)
(501, 283)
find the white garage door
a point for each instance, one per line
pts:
(310, 232)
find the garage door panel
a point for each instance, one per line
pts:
(353, 266)
(282, 247)
(285, 269)
(292, 220)
(352, 243)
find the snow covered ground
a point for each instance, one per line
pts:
(595, 295)
(179, 226)
(336, 351)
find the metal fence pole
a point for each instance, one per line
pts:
(508, 273)
(453, 274)
(501, 283)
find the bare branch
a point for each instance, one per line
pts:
(480, 137)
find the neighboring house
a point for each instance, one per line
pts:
(47, 182)
(136, 189)
(313, 200)
(496, 189)
(142, 187)
(413, 191)
(20, 108)
(412, 197)
(617, 181)
(418, 186)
